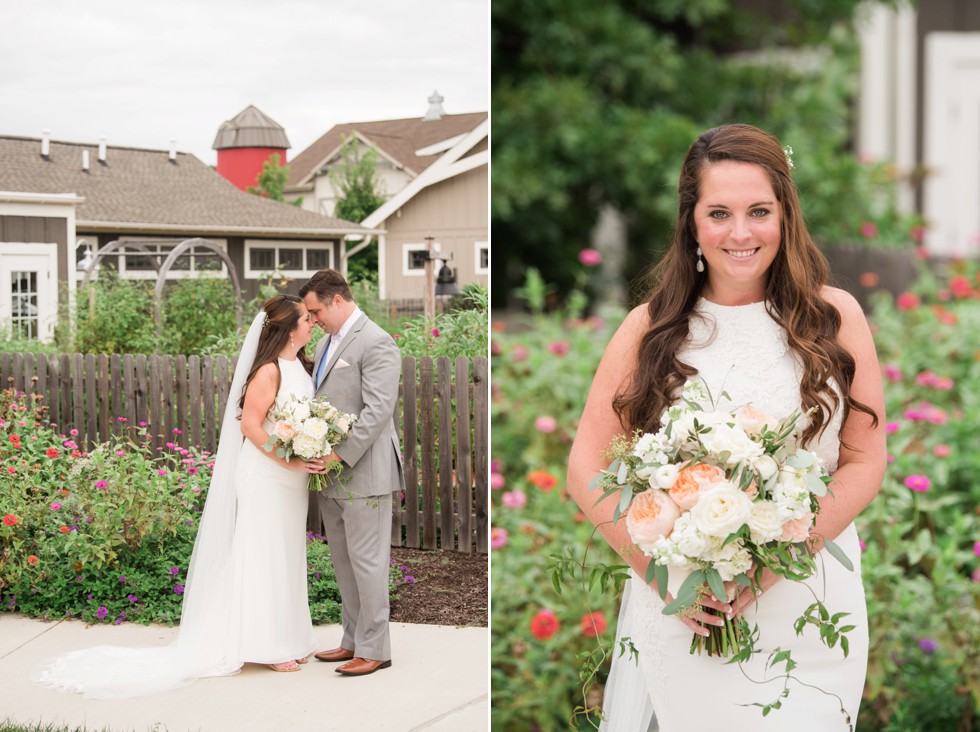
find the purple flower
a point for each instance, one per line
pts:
(174, 571)
(178, 589)
(102, 612)
(928, 645)
(409, 579)
(132, 599)
(122, 579)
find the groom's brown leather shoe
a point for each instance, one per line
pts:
(361, 667)
(332, 656)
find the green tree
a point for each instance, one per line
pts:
(359, 194)
(595, 105)
(272, 181)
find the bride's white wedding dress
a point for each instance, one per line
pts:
(246, 594)
(743, 352)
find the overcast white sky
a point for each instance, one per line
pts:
(141, 73)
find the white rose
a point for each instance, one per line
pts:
(666, 475)
(766, 466)
(300, 411)
(766, 522)
(315, 429)
(723, 438)
(721, 510)
(306, 447)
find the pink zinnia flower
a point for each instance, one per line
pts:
(545, 423)
(55, 506)
(892, 373)
(559, 348)
(520, 353)
(918, 483)
(942, 450)
(101, 484)
(435, 332)
(908, 301)
(976, 548)
(515, 499)
(498, 538)
(892, 427)
(869, 230)
(544, 624)
(497, 481)
(590, 257)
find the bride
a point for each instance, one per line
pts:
(740, 300)
(246, 593)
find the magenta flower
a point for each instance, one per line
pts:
(497, 481)
(120, 453)
(498, 538)
(101, 612)
(546, 424)
(178, 589)
(560, 348)
(928, 645)
(590, 257)
(120, 419)
(161, 472)
(174, 571)
(495, 466)
(892, 373)
(976, 548)
(73, 433)
(435, 332)
(918, 483)
(862, 545)
(101, 484)
(892, 427)
(55, 506)
(869, 230)
(515, 499)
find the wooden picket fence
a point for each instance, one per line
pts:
(443, 408)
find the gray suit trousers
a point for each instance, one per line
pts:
(358, 532)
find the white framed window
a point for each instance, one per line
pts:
(414, 257)
(482, 258)
(202, 263)
(293, 258)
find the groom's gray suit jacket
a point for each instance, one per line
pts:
(361, 377)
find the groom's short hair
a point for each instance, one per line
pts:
(326, 283)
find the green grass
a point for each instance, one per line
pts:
(7, 726)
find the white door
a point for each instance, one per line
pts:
(28, 290)
(952, 143)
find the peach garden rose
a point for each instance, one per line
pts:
(651, 516)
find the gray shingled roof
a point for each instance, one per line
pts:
(143, 188)
(251, 128)
(398, 138)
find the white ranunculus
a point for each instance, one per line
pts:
(766, 466)
(306, 447)
(315, 429)
(721, 510)
(766, 521)
(666, 475)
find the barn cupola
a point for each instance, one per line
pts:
(245, 142)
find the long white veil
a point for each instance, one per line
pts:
(626, 703)
(203, 647)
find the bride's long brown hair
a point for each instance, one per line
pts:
(282, 313)
(793, 294)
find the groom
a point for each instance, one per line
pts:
(357, 367)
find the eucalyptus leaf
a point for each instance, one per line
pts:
(815, 485)
(716, 584)
(837, 553)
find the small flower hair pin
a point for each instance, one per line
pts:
(788, 152)
(265, 318)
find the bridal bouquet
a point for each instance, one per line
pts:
(722, 495)
(308, 428)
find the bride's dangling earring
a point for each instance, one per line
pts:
(292, 343)
(700, 265)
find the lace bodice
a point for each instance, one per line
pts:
(742, 351)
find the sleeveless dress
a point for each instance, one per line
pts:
(742, 351)
(249, 595)
(271, 622)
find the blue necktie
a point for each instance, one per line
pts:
(323, 363)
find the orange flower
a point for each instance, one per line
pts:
(77, 566)
(32, 560)
(869, 279)
(10, 520)
(593, 624)
(542, 479)
(65, 492)
(64, 529)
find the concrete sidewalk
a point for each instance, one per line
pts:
(438, 682)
